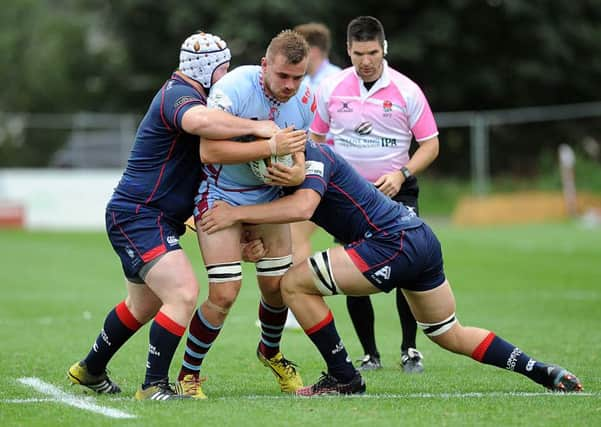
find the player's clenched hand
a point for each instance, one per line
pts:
(253, 250)
(282, 175)
(289, 141)
(265, 129)
(390, 183)
(220, 216)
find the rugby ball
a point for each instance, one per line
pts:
(259, 167)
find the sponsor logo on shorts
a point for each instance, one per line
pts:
(130, 252)
(384, 272)
(172, 240)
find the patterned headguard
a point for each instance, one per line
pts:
(200, 55)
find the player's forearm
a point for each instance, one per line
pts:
(282, 211)
(423, 156)
(216, 124)
(231, 152)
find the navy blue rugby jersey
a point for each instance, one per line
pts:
(164, 168)
(351, 207)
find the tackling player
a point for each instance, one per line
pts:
(146, 214)
(391, 248)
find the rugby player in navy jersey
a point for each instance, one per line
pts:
(387, 247)
(146, 214)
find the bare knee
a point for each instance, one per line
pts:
(223, 295)
(289, 287)
(457, 340)
(189, 296)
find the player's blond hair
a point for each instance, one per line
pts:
(290, 44)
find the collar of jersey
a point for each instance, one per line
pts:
(270, 98)
(382, 82)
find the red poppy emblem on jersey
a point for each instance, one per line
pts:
(387, 106)
(313, 105)
(306, 96)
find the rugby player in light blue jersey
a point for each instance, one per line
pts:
(271, 91)
(387, 246)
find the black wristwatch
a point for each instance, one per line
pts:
(406, 172)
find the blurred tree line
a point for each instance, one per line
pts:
(111, 56)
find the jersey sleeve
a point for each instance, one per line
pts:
(421, 119)
(309, 105)
(318, 170)
(225, 96)
(321, 119)
(178, 99)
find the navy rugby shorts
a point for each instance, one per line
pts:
(410, 259)
(140, 238)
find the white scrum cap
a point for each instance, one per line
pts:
(200, 55)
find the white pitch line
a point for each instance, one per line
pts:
(68, 399)
(476, 395)
(32, 400)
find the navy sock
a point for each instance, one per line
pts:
(119, 326)
(328, 342)
(165, 335)
(495, 351)
(361, 312)
(408, 324)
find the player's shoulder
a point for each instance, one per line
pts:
(403, 83)
(337, 80)
(240, 78)
(178, 92)
(319, 151)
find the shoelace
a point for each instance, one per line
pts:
(325, 381)
(288, 364)
(194, 384)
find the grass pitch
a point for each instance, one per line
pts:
(539, 287)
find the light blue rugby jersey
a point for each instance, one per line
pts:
(240, 92)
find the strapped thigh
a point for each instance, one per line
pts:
(323, 278)
(435, 329)
(273, 266)
(225, 272)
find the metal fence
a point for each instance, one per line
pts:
(98, 140)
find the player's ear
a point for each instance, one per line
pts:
(385, 47)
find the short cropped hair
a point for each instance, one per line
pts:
(316, 34)
(290, 44)
(365, 29)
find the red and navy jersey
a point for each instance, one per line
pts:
(351, 207)
(164, 168)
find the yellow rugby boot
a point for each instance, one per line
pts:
(190, 386)
(284, 371)
(101, 383)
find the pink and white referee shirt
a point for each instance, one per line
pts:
(373, 129)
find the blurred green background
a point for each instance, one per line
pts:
(69, 56)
